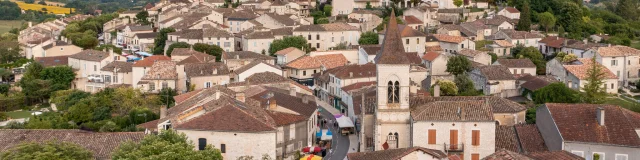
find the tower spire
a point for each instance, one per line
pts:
(392, 51)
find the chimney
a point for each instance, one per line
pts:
(306, 98)
(240, 96)
(54, 43)
(609, 44)
(565, 42)
(436, 90)
(272, 104)
(600, 115)
(110, 52)
(217, 94)
(30, 24)
(237, 56)
(163, 111)
(292, 91)
(350, 74)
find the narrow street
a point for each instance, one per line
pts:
(339, 143)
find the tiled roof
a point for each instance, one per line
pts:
(585, 46)
(183, 52)
(560, 155)
(358, 85)
(287, 51)
(148, 62)
(101, 144)
(578, 123)
(394, 154)
(406, 31)
(326, 27)
(503, 154)
(530, 138)
(499, 105)
(512, 10)
(615, 51)
(90, 55)
(140, 28)
(284, 19)
(412, 20)
(286, 118)
(53, 61)
(516, 63)
(162, 70)
(197, 57)
(371, 49)
(581, 71)
(433, 48)
(553, 41)
(513, 34)
(506, 138)
(497, 20)
(183, 97)
(241, 15)
(287, 101)
(206, 69)
(251, 65)
(353, 71)
(535, 83)
(228, 117)
(471, 53)
(496, 72)
(58, 43)
(430, 56)
(151, 35)
(448, 38)
(118, 66)
(392, 51)
(503, 43)
(453, 111)
(245, 55)
(260, 35)
(328, 61)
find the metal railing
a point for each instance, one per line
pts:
(454, 147)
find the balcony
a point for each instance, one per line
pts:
(453, 147)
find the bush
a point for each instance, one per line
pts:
(447, 88)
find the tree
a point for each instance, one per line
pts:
(457, 3)
(42, 2)
(494, 57)
(213, 50)
(457, 65)
(368, 6)
(4, 89)
(570, 18)
(535, 56)
(555, 93)
(291, 41)
(322, 21)
(524, 24)
(160, 40)
(168, 144)
(340, 46)
(166, 96)
(142, 18)
(368, 38)
(465, 86)
(177, 45)
(59, 76)
(47, 150)
(531, 115)
(628, 9)
(594, 92)
(327, 10)
(9, 51)
(447, 88)
(385, 21)
(547, 20)
(115, 49)
(9, 10)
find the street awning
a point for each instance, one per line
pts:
(144, 54)
(344, 121)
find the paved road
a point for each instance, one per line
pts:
(339, 144)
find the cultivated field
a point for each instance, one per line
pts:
(5, 25)
(38, 7)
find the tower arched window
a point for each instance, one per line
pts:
(393, 91)
(390, 92)
(396, 90)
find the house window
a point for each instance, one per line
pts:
(392, 140)
(622, 157)
(207, 85)
(332, 39)
(475, 137)
(614, 62)
(418, 41)
(407, 41)
(309, 37)
(152, 86)
(304, 73)
(165, 85)
(318, 37)
(462, 45)
(95, 68)
(515, 71)
(115, 78)
(202, 143)
(579, 153)
(314, 71)
(317, 45)
(432, 136)
(227, 44)
(62, 49)
(223, 148)
(255, 44)
(618, 74)
(611, 85)
(521, 71)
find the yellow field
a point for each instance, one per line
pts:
(38, 7)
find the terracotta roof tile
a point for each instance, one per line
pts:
(434, 48)
(578, 123)
(394, 154)
(148, 62)
(100, 144)
(430, 56)
(513, 34)
(358, 85)
(448, 111)
(581, 71)
(530, 138)
(560, 155)
(162, 70)
(448, 38)
(286, 118)
(512, 10)
(327, 61)
(516, 63)
(227, 118)
(90, 55)
(392, 51)
(503, 43)
(412, 20)
(506, 138)
(496, 72)
(615, 51)
(206, 69)
(118, 66)
(253, 64)
(285, 100)
(471, 53)
(245, 55)
(499, 105)
(287, 51)
(53, 61)
(371, 49)
(504, 154)
(183, 97)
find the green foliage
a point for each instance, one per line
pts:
(465, 86)
(3, 116)
(322, 21)
(570, 18)
(84, 33)
(628, 9)
(14, 125)
(547, 20)
(524, 24)
(368, 38)
(340, 46)
(327, 10)
(213, 50)
(160, 41)
(48, 150)
(317, 15)
(168, 144)
(177, 45)
(115, 49)
(596, 156)
(49, 120)
(458, 65)
(555, 93)
(67, 98)
(594, 92)
(532, 54)
(291, 41)
(385, 21)
(368, 6)
(4, 88)
(9, 10)
(12, 102)
(142, 18)
(42, 2)
(9, 51)
(494, 57)
(58, 76)
(166, 96)
(531, 115)
(457, 3)
(447, 88)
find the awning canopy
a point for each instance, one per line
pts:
(344, 121)
(144, 54)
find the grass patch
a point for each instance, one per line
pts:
(630, 104)
(6, 25)
(635, 44)
(18, 114)
(481, 45)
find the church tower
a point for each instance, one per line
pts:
(392, 127)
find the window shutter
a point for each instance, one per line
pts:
(223, 148)
(475, 138)
(475, 156)
(432, 136)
